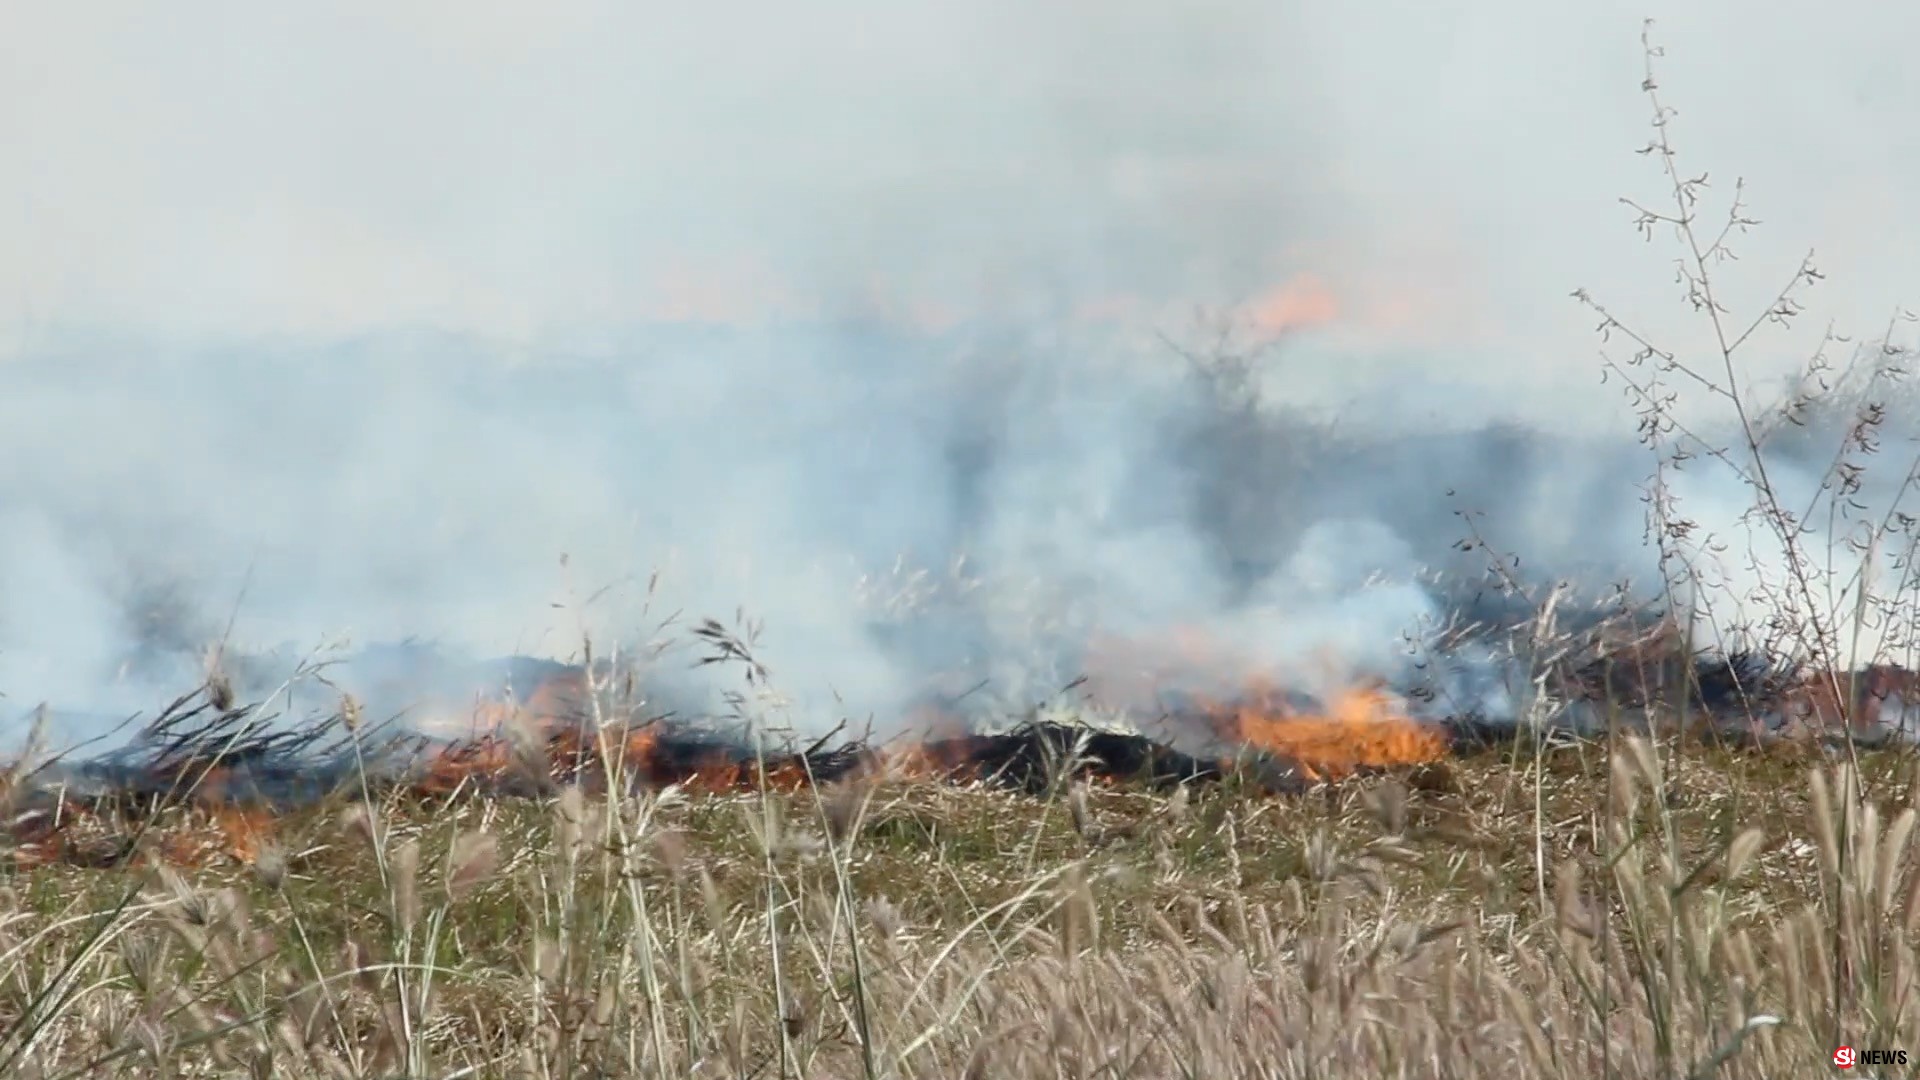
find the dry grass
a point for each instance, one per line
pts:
(1699, 923)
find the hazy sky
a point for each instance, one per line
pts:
(1444, 172)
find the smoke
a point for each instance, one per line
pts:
(232, 170)
(349, 324)
(426, 487)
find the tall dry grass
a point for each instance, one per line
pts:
(1380, 931)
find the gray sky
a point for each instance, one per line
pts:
(1444, 171)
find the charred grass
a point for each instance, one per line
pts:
(1644, 912)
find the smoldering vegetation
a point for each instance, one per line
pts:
(892, 513)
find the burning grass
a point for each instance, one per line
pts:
(1424, 926)
(200, 766)
(1312, 888)
(209, 776)
(1358, 730)
(1316, 888)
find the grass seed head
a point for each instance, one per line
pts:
(474, 857)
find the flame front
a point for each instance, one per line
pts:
(555, 737)
(1358, 729)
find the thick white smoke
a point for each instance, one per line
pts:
(427, 487)
(353, 322)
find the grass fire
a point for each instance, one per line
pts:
(218, 773)
(1330, 688)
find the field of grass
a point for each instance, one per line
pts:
(1649, 912)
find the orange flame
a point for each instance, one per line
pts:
(1299, 302)
(1357, 728)
(549, 739)
(235, 832)
(562, 749)
(78, 835)
(1362, 728)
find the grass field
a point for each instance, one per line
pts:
(1649, 913)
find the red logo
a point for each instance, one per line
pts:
(1845, 1057)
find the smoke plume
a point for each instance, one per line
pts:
(348, 326)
